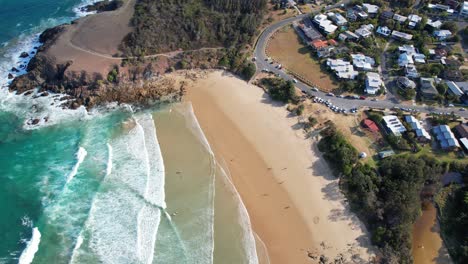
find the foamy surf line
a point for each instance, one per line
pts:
(32, 247)
(80, 156)
(109, 160)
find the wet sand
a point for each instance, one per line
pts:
(292, 198)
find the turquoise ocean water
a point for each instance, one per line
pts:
(114, 185)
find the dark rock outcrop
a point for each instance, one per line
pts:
(14, 69)
(24, 55)
(10, 76)
(103, 6)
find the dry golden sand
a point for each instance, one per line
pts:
(293, 200)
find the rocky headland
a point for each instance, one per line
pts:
(66, 63)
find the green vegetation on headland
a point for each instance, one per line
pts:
(387, 198)
(168, 25)
(452, 203)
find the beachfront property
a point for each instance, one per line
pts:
(399, 18)
(436, 24)
(405, 83)
(442, 34)
(411, 71)
(428, 89)
(386, 15)
(384, 31)
(348, 35)
(373, 83)
(308, 30)
(445, 137)
(324, 24)
(409, 55)
(362, 62)
(414, 20)
(461, 131)
(421, 133)
(442, 8)
(454, 89)
(372, 10)
(364, 31)
(393, 125)
(401, 36)
(343, 69)
(337, 18)
(464, 9)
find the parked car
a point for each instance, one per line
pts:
(362, 97)
(315, 89)
(294, 81)
(462, 109)
(330, 94)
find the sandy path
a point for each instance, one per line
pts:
(295, 206)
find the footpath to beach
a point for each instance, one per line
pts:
(293, 200)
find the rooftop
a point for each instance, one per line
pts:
(371, 9)
(445, 136)
(401, 35)
(454, 89)
(417, 127)
(343, 69)
(363, 62)
(394, 125)
(373, 82)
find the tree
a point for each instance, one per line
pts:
(248, 71)
(451, 26)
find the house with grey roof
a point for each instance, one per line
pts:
(420, 132)
(445, 137)
(428, 89)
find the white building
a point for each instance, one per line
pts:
(373, 83)
(440, 7)
(405, 59)
(362, 62)
(414, 20)
(384, 31)
(371, 9)
(394, 125)
(411, 71)
(435, 24)
(343, 69)
(365, 31)
(401, 35)
(421, 133)
(326, 25)
(442, 34)
(464, 9)
(337, 18)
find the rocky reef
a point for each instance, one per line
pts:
(103, 6)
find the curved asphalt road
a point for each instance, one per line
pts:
(347, 104)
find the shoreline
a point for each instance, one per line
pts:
(297, 216)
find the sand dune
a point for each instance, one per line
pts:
(293, 200)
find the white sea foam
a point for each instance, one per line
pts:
(125, 215)
(32, 247)
(79, 241)
(109, 160)
(80, 156)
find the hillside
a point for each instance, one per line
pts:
(168, 25)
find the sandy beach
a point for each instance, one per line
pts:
(293, 199)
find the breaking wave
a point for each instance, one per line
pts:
(32, 247)
(80, 156)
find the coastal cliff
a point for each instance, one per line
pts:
(89, 59)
